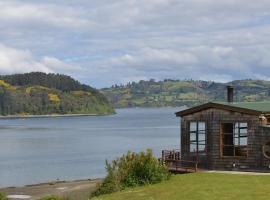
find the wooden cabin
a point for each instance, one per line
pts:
(224, 136)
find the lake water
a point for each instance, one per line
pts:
(67, 148)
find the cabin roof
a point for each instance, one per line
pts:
(252, 108)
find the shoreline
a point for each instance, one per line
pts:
(51, 116)
(78, 115)
(73, 188)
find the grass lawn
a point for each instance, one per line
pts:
(200, 186)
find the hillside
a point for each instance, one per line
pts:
(38, 93)
(183, 92)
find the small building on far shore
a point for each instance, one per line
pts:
(227, 135)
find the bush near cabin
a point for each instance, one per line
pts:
(3, 196)
(130, 170)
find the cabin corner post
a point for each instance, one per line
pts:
(180, 134)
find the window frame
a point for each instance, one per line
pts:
(233, 139)
(197, 142)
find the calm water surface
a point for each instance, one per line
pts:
(67, 148)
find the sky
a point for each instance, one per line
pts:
(105, 42)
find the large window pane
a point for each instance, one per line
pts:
(243, 131)
(197, 137)
(243, 141)
(202, 126)
(201, 148)
(243, 125)
(227, 128)
(228, 139)
(234, 139)
(193, 127)
(193, 147)
(193, 137)
(201, 138)
(228, 151)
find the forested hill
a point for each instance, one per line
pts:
(183, 92)
(38, 93)
(56, 81)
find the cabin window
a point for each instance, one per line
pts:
(197, 137)
(234, 139)
(266, 150)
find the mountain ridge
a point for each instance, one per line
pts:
(174, 93)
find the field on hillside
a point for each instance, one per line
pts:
(200, 186)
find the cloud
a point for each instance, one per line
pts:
(219, 63)
(113, 41)
(20, 61)
(148, 59)
(223, 78)
(26, 14)
(58, 65)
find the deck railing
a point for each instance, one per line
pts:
(172, 159)
(171, 154)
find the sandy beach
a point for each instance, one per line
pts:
(79, 189)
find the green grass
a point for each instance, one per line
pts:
(200, 186)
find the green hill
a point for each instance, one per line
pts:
(183, 92)
(38, 93)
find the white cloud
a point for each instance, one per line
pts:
(114, 41)
(58, 65)
(148, 59)
(223, 78)
(20, 61)
(42, 14)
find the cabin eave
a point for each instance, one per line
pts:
(226, 107)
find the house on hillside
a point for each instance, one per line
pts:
(224, 136)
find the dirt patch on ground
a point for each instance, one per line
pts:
(75, 190)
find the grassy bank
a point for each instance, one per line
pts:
(200, 186)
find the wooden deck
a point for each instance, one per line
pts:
(172, 159)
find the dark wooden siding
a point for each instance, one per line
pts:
(257, 137)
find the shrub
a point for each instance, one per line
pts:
(3, 196)
(132, 169)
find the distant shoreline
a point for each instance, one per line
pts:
(51, 116)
